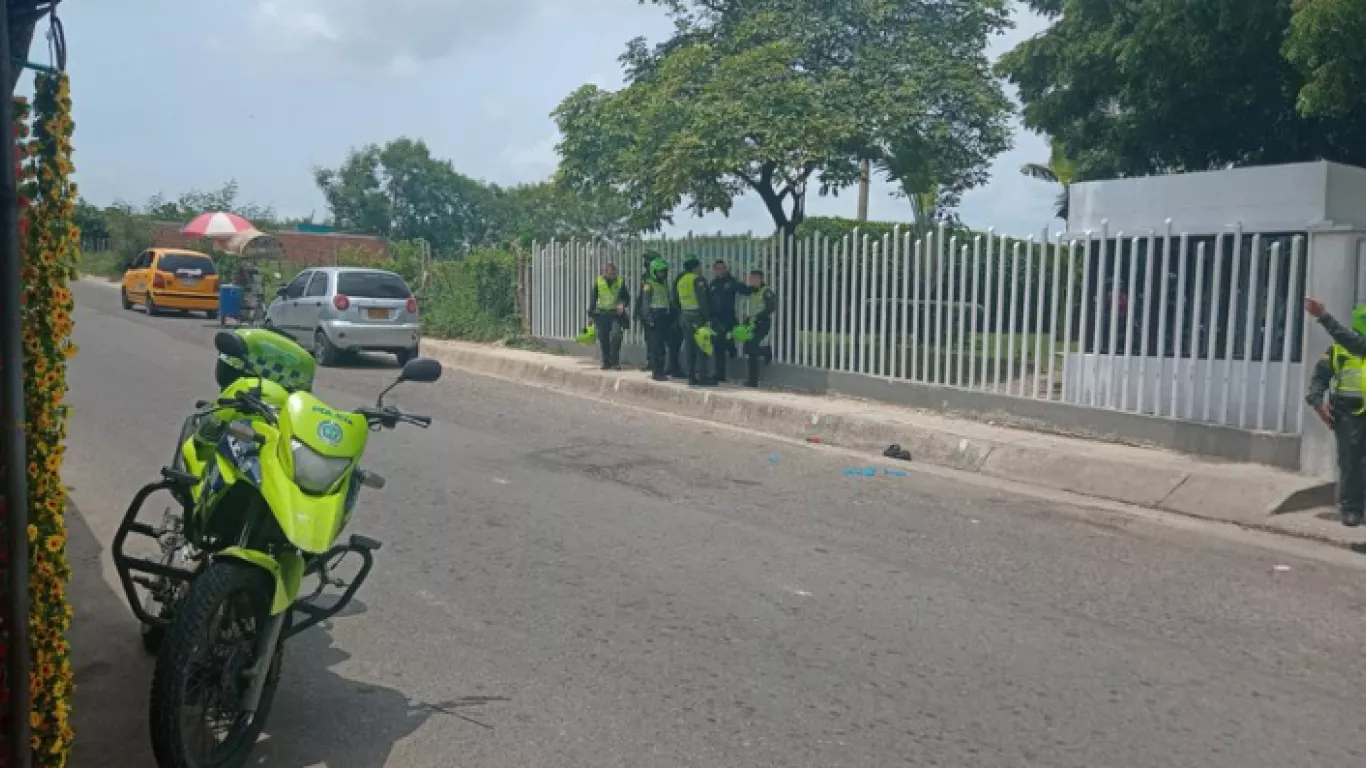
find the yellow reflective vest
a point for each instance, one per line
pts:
(687, 292)
(609, 294)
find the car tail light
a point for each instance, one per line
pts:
(341, 302)
(158, 280)
(412, 305)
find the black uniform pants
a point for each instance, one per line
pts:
(673, 342)
(688, 323)
(755, 351)
(658, 334)
(611, 330)
(1350, 431)
(722, 348)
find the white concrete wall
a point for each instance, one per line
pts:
(1345, 195)
(1108, 381)
(1276, 198)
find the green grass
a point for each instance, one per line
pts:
(105, 264)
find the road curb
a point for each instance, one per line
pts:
(1247, 495)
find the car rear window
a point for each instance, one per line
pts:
(372, 285)
(174, 262)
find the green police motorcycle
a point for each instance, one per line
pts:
(265, 485)
(277, 357)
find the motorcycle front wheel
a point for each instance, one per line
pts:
(201, 676)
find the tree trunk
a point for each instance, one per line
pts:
(787, 225)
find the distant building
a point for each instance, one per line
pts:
(302, 247)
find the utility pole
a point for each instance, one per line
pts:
(13, 447)
(865, 173)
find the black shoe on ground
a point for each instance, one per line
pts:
(702, 383)
(1352, 519)
(660, 377)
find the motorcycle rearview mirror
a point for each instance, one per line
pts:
(423, 370)
(230, 344)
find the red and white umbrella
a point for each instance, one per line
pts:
(219, 224)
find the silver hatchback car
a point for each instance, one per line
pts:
(343, 310)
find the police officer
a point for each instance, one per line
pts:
(608, 301)
(690, 298)
(757, 307)
(1341, 375)
(654, 309)
(723, 290)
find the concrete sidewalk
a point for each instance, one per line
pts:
(1248, 495)
(112, 673)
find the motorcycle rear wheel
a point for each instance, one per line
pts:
(202, 665)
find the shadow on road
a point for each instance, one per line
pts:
(323, 719)
(320, 718)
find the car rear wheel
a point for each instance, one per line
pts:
(212, 314)
(404, 355)
(123, 298)
(150, 306)
(323, 350)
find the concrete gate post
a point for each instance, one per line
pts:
(1334, 274)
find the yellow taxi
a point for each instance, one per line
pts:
(171, 279)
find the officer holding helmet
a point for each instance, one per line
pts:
(654, 309)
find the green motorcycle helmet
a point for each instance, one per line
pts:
(1359, 318)
(272, 354)
(659, 265)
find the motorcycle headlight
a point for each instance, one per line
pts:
(313, 472)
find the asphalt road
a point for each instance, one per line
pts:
(565, 584)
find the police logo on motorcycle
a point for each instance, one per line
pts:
(329, 432)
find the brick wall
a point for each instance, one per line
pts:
(300, 247)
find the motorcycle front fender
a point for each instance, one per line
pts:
(287, 570)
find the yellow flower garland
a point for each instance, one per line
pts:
(51, 252)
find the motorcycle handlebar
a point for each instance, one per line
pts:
(245, 401)
(389, 417)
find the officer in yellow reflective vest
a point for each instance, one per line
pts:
(690, 298)
(757, 305)
(608, 301)
(1341, 376)
(654, 309)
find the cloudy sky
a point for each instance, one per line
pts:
(178, 94)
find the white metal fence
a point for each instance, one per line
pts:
(1197, 328)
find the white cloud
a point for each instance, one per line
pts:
(398, 34)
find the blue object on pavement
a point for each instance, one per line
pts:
(230, 301)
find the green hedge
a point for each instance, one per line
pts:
(474, 298)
